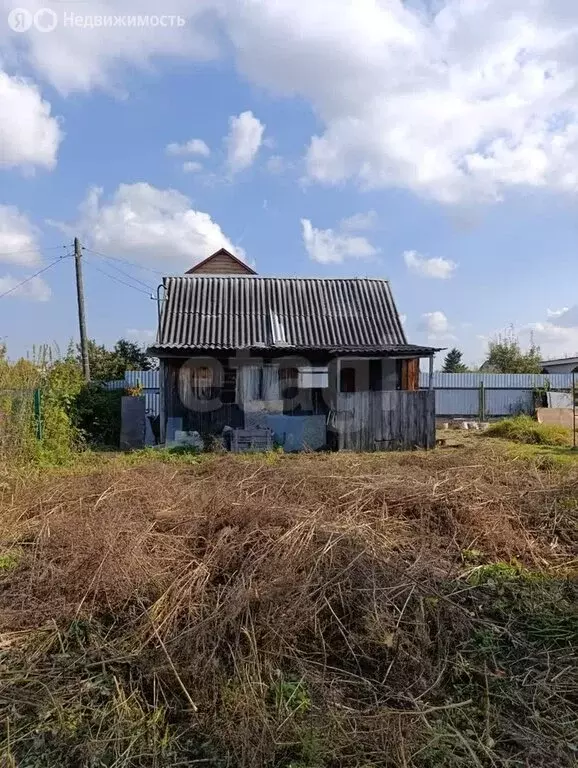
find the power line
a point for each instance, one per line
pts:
(124, 261)
(117, 279)
(31, 250)
(148, 292)
(130, 277)
(28, 279)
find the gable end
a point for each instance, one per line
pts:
(221, 263)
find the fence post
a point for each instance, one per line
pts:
(38, 413)
(482, 409)
(574, 406)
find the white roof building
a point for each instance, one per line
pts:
(563, 365)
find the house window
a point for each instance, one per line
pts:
(200, 383)
(368, 375)
(258, 387)
(203, 383)
(347, 379)
(314, 377)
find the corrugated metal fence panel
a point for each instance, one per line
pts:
(146, 379)
(497, 380)
(508, 402)
(458, 394)
(457, 402)
(149, 381)
(152, 400)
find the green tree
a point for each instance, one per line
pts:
(505, 355)
(135, 357)
(453, 362)
(111, 364)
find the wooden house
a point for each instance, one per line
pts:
(320, 363)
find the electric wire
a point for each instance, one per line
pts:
(31, 277)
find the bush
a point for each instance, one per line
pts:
(96, 413)
(35, 400)
(523, 429)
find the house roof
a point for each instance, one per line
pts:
(561, 361)
(238, 312)
(202, 265)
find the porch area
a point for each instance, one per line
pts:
(357, 404)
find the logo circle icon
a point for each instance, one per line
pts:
(45, 20)
(20, 20)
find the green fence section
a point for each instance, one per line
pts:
(20, 420)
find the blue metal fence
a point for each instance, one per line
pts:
(490, 394)
(149, 381)
(457, 394)
(498, 380)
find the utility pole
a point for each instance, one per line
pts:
(81, 315)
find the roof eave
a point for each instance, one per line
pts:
(402, 350)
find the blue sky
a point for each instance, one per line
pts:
(333, 138)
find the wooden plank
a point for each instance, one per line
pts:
(390, 420)
(429, 414)
(365, 423)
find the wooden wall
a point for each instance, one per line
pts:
(373, 421)
(220, 264)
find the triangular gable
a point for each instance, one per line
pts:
(221, 263)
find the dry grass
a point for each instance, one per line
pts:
(291, 611)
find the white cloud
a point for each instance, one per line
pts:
(144, 336)
(18, 238)
(557, 336)
(568, 318)
(243, 141)
(192, 166)
(329, 247)
(437, 326)
(154, 226)
(192, 147)
(360, 221)
(442, 269)
(556, 312)
(456, 100)
(36, 289)
(554, 341)
(29, 135)
(77, 58)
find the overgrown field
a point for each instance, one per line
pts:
(318, 611)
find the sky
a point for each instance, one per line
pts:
(433, 143)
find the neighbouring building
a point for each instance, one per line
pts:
(564, 365)
(320, 363)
